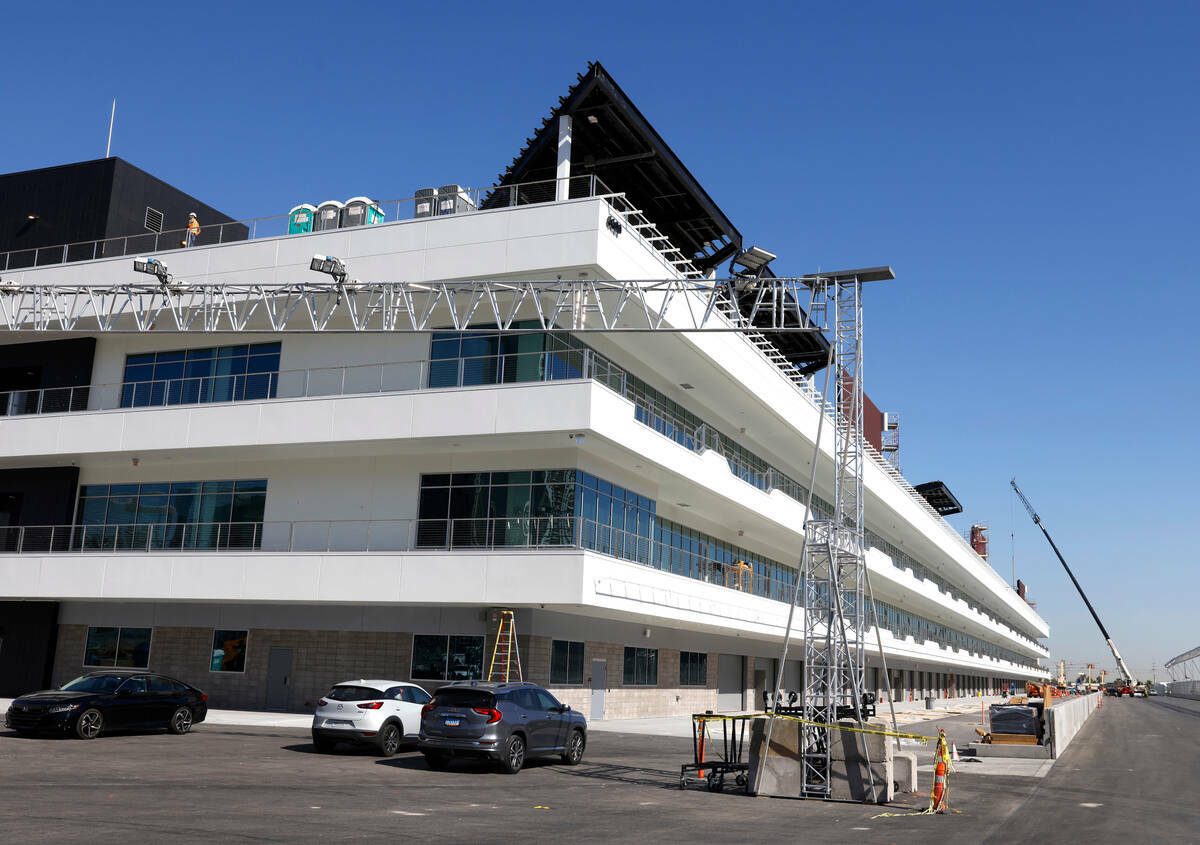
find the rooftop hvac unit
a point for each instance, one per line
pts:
(329, 216)
(361, 211)
(426, 202)
(454, 199)
(300, 219)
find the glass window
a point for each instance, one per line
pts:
(124, 647)
(545, 700)
(228, 651)
(566, 662)
(185, 377)
(134, 685)
(693, 668)
(159, 684)
(429, 657)
(440, 658)
(178, 515)
(641, 667)
(352, 692)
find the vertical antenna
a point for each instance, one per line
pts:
(111, 119)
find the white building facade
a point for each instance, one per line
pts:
(263, 515)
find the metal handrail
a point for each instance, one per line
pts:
(398, 376)
(403, 535)
(254, 228)
(309, 382)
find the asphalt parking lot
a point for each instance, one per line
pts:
(238, 785)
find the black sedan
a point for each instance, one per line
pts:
(107, 701)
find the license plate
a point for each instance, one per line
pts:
(452, 723)
(338, 722)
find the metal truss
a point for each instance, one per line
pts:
(833, 567)
(578, 305)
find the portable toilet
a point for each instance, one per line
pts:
(425, 199)
(453, 199)
(361, 211)
(300, 219)
(329, 216)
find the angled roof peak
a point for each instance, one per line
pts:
(613, 140)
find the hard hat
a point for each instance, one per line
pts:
(192, 214)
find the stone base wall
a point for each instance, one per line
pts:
(319, 660)
(323, 658)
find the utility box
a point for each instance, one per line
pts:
(361, 211)
(426, 202)
(329, 216)
(300, 219)
(454, 199)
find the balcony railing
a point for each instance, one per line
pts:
(407, 535)
(468, 200)
(400, 376)
(388, 535)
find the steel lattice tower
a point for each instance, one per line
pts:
(832, 570)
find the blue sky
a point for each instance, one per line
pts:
(1030, 173)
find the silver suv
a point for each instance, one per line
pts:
(502, 722)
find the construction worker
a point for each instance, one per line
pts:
(193, 230)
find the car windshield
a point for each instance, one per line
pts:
(349, 692)
(95, 683)
(453, 697)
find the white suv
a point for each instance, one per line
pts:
(379, 713)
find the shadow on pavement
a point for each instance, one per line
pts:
(624, 774)
(346, 750)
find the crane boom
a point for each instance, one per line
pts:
(1037, 520)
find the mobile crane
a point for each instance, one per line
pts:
(1037, 520)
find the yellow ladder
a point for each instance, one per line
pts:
(505, 654)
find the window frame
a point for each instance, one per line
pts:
(117, 650)
(245, 653)
(582, 663)
(446, 660)
(689, 680)
(638, 651)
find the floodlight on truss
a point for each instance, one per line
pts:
(152, 267)
(753, 260)
(329, 265)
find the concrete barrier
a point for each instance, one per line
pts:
(1185, 689)
(1065, 718)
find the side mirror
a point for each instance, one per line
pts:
(123, 692)
(564, 708)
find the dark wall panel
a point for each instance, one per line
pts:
(28, 633)
(47, 494)
(70, 203)
(134, 190)
(59, 363)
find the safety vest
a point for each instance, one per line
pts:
(193, 225)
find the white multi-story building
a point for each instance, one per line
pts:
(263, 514)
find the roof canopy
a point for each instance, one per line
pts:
(939, 497)
(613, 140)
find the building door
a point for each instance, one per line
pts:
(764, 679)
(279, 678)
(599, 684)
(731, 671)
(28, 635)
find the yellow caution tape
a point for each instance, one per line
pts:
(716, 718)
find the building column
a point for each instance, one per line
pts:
(562, 189)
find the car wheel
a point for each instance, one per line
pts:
(574, 751)
(181, 721)
(323, 745)
(514, 755)
(388, 741)
(437, 762)
(89, 724)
